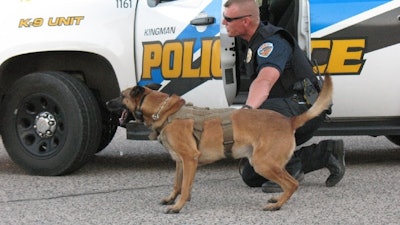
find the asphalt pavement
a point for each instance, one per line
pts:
(125, 182)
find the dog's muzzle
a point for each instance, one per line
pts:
(116, 106)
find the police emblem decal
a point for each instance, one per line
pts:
(265, 49)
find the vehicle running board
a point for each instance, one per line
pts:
(137, 131)
(371, 128)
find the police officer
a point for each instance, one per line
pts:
(282, 79)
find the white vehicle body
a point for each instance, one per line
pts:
(109, 45)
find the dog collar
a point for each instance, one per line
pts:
(138, 111)
(156, 115)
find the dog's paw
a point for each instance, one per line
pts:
(272, 207)
(273, 200)
(167, 201)
(171, 210)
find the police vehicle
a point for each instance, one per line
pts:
(60, 61)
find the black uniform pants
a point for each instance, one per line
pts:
(308, 158)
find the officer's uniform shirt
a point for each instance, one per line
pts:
(275, 52)
(268, 48)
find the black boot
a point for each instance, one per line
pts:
(327, 153)
(335, 163)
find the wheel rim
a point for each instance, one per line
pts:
(40, 125)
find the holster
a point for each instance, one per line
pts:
(308, 91)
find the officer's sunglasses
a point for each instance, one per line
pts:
(230, 19)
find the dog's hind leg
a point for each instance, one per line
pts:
(274, 171)
(289, 186)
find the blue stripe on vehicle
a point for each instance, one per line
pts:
(325, 13)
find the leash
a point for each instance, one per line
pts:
(156, 115)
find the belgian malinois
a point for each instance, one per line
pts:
(194, 136)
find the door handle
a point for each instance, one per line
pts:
(203, 21)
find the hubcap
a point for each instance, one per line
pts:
(45, 124)
(41, 125)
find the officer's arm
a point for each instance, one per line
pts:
(261, 86)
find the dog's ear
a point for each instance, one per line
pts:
(153, 86)
(137, 90)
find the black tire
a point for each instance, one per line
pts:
(31, 138)
(110, 124)
(394, 139)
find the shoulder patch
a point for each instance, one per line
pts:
(265, 49)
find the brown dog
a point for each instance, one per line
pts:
(196, 136)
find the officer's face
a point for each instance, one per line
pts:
(233, 20)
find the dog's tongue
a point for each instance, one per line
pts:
(122, 119)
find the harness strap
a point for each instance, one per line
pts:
(228, 136)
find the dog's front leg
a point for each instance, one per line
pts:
(189, 170)
(177, 185)
(178, 138)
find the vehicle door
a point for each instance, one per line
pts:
(182, 45)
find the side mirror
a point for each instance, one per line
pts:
(153, 3)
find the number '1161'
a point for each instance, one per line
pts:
(124, 3)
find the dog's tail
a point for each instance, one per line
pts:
(322, 103)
